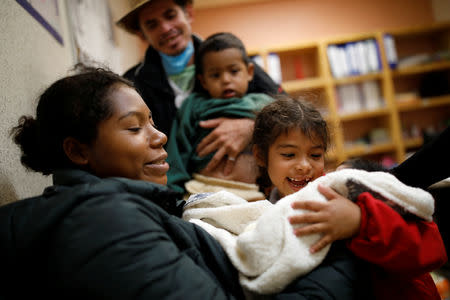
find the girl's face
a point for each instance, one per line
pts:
(225, 74)
(128, 144)
(294, 160)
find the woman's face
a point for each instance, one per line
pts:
(128, 144)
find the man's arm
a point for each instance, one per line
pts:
(230, 137)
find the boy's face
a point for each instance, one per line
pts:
(166, 26)
(225, 75)
(294, 160)
(128, 145)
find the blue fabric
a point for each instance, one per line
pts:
(176, 64)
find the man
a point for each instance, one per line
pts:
(167, 74)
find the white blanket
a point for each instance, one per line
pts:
(259, 239)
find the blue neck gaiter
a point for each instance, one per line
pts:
(175, 64)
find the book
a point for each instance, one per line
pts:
(373, 55)
(274, 67)
(333, 59)
(298, 68)
(362, 58)
(372, 95)
(258, 60)
(391, 51)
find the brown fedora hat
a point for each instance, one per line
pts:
(129, 20)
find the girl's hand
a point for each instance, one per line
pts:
(337, 219)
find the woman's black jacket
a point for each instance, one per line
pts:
(115, 238)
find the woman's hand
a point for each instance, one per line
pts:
(229, 138)
(337, 219)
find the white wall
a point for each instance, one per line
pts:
(30, 60)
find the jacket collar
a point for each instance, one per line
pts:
(157, 193)
(70, 177)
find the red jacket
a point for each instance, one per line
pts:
(401, 252)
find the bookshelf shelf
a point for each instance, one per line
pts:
(419, 104)
(358, 78)
(430, 67)
(413, 142)
(365, 114)
(373, 87)
(371, 149)
(352, 38)
(303, 84)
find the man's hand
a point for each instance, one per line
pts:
(229, 138)
(337, 219)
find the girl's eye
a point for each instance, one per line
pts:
(235, 71)
(214, 75)
(316, 156)
(135, 129)
(288, 155)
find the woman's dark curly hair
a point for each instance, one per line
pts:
(71, 107)
(280, 116)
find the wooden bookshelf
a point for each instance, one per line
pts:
(364, 114)
(305, 84)
(307, 66)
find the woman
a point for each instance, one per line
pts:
(109, 228)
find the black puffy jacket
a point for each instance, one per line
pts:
(115, 238)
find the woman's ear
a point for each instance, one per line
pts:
(75, 151)
(258, 156)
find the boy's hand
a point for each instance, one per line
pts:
(229, 138)
(337, 219)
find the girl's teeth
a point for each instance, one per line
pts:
(299, 182)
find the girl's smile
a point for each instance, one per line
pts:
(294, 160)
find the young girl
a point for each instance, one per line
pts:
(290, 140)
